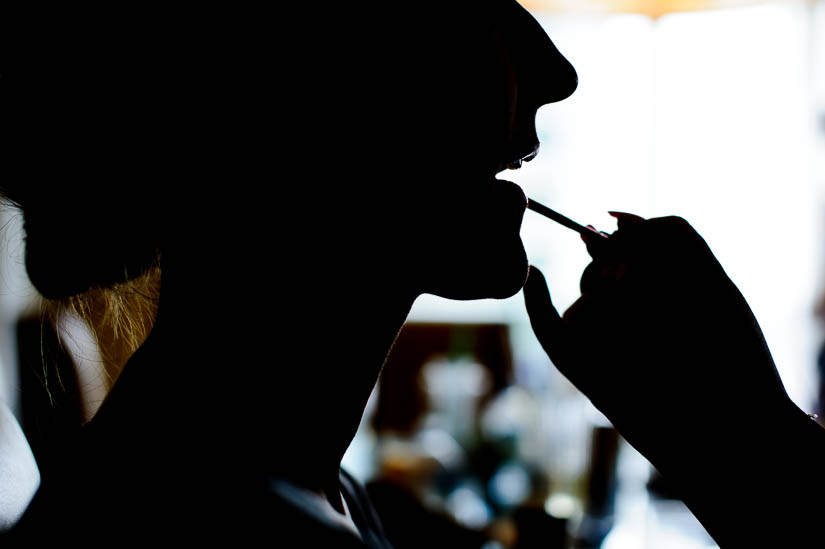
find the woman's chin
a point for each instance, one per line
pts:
(497, 281)
(511, 282)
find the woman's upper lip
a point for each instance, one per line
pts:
(514, 162)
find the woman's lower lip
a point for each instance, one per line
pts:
(504, 186)
(509, 204)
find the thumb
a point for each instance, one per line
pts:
(545, 320)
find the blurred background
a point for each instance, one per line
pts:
(711, 110)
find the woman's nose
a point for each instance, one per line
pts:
(544, 75)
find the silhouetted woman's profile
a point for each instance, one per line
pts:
(301, 180)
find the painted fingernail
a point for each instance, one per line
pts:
(624, 216)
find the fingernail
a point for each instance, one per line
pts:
(624, 216)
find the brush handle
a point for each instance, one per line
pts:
(562, 220)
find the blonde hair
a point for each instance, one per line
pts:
(119, 317)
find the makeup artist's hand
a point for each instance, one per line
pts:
(663, 343)
(661, 340)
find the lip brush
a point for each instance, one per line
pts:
(558, 218)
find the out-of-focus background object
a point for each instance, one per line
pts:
(19, 475)
(651, 8)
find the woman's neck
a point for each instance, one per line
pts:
(278, 380)
(337, 355)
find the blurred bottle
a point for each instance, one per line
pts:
(598, 517)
